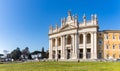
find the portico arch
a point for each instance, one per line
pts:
(53, 42)
(81, 39)
(59, 41)
(69, 40)
(88, 38)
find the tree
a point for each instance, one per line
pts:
(29, 56)
(26, 53)
(42, 53)
(36, 54)
(47, 54)
(16, 54)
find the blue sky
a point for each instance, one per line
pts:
(25, 23)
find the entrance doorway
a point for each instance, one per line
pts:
(99, 55)
(81, 53)
(53, 55)
(68, 54)
(59, 54)
(88, 53)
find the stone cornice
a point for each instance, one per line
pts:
(72, 29)
(111, 31)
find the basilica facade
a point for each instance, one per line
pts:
(74, 39)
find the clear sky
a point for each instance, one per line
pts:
(25, 23)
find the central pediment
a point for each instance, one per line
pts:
(67, 27)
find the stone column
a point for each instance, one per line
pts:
(78, 50)
(50, 48)
(65, 43)
(56, 48)
(84, 45)
(95, 45)
(73, 46)
(63, 47)
(76, 45)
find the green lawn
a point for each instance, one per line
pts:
(61, 66)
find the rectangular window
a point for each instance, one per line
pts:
(107, 56)
(113, 46)
(106, 36)
(119, 36)
(113, 55)
(113, 36)
(107, 47)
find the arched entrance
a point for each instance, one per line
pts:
(88, 53)
(59, 54)
(68, 53)
(53, 55)
(88, 38)
(81, 53)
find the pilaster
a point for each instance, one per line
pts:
(63, 47)
(84, 45)
(50, 48)
(73, 46)
(75, 50)
(95, 45)
(56, 48)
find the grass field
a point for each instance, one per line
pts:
(61, 66)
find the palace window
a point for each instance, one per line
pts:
(119, 36)
(106, 36)
(107, 56)
(113, 46)
(107, 46)
(88, 38)
(119, 46)
(113, 55)
(100, 42)
(100, 34)
(113, 36)
(81, 39)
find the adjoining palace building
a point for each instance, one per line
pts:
(82, 40)
(109, 44)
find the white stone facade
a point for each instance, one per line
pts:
(74, 40)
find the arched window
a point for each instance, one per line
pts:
(59, 41)
(81, 39)
(69, 39)
(88, 38)
(53, 42)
